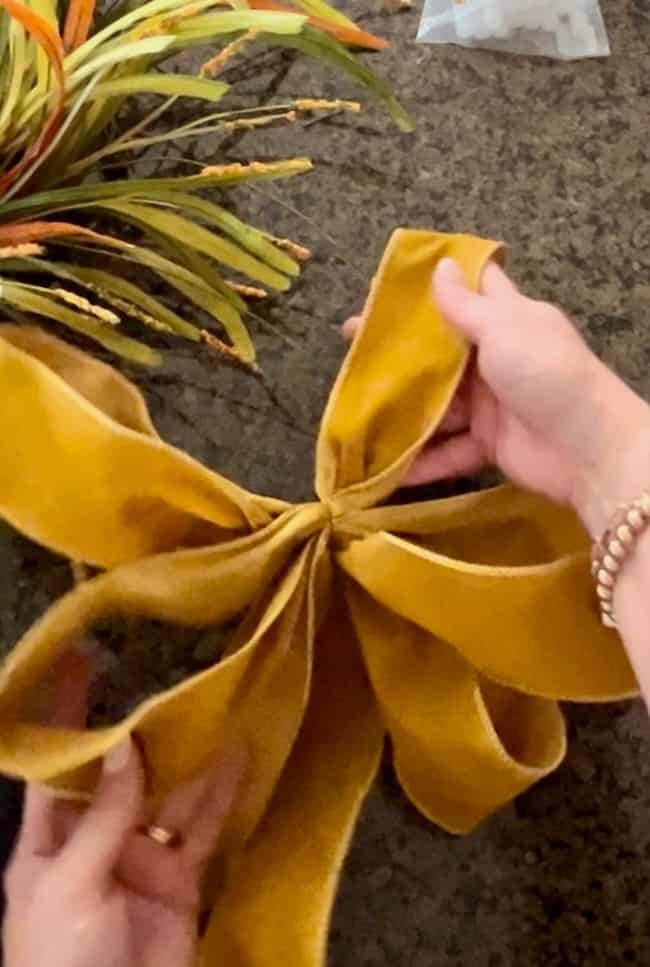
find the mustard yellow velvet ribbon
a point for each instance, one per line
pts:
(454, 625)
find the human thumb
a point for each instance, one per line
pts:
(94, 848)
(448, 272)
(457, 303)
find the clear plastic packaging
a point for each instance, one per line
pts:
(562, 29)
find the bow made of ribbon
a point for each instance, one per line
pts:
(454, 625)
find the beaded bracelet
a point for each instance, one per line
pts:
(610, 552)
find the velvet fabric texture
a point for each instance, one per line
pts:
(452, 625)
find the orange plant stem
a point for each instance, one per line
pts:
(48, 39)
(347, 35)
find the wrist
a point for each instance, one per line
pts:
(618, 469)
(631, 609)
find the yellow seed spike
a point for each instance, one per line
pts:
(225, 350)
(320, 104)
(298, 252)
(258, 168)
(78, 301)
(217, 63)
(225, 170)
(129, 309)
(165, 23)
(150, 321)
(247, 291)
(136, 313)
(171, 21)
(24, 250)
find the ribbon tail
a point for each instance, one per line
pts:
(276, 907)
(462, 746)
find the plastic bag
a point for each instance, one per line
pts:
(562, 29)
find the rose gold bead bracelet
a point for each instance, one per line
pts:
(610, 553)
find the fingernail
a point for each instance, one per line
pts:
(448, 270)
(117, 758)
(350, 327)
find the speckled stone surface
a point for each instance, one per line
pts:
(555, 159)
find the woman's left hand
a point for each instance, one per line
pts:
(85, 888)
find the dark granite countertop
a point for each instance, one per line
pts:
(555, 159)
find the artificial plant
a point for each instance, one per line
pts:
(64, 74)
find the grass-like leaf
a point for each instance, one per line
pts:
(78, 22)
(171, 85)
(50, 43)
(195, 236)
(342, 29)
(215, 176)
(107, 284)
(114, 290)
(40, 304)
(244, 235)
(209, 25)
(321, 47)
